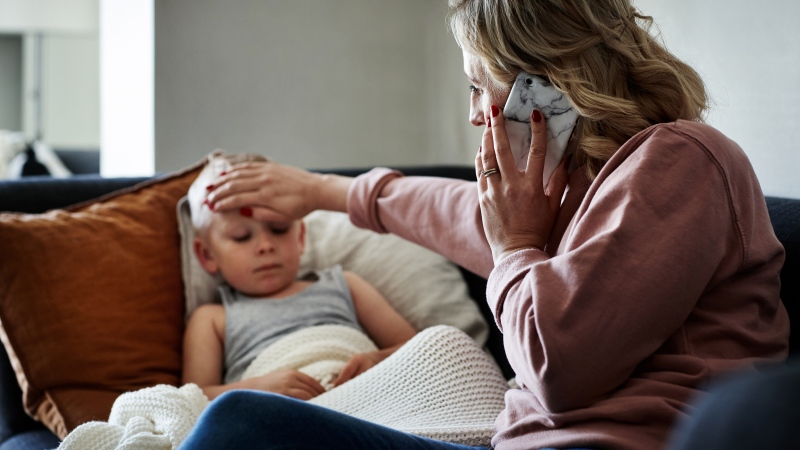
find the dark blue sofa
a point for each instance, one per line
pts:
(38, 194)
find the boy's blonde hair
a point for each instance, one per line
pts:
(600, 53)
(218, 162)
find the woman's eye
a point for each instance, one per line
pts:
(473, 89)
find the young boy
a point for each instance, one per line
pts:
(262, 300)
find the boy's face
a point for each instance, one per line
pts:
(256, 258)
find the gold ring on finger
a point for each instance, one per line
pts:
(487, 173)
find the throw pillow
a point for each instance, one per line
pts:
(91, 300)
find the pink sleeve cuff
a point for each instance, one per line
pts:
(507, 274)
(362, 198)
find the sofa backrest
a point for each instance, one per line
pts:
(784, 213)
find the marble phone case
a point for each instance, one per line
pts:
(527, 93)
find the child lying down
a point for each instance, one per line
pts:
(263, 300)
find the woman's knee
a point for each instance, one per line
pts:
(248, 407)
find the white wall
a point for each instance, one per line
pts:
(749, 56)
(314, 83)
(70, 93)
(126, 86)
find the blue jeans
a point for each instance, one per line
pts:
(747, 411)
(252, 419)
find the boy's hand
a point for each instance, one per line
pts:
(357, 365)
(290, 383)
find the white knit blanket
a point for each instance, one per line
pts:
(320, 352)
(440, 384)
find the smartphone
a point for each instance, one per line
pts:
(527, 93)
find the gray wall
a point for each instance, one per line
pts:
(10, 82)
(313, 83)
(321, 83)
(71, 92)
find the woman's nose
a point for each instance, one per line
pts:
(476, 114)
(476, 117)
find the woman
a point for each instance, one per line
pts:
(646, 268)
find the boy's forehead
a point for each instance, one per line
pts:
(233, 218)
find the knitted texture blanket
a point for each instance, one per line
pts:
(440, 384)
(321, 352)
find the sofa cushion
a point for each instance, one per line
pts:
(91, 300)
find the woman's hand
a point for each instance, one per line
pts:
(271, 191)
(517, 212)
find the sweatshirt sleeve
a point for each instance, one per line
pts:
(643, 248)
(440, 214)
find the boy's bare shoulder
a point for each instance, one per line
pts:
(351, 274)
(207, 311)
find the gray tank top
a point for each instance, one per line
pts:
(252, 324)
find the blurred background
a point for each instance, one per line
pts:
(154, 85)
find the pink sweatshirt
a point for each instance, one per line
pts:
(660, 274)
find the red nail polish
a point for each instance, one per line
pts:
(210, 206)
(537, 116)
(489, 122)
(210, 187)
(495, 110)
(246, 211)
(223, 173)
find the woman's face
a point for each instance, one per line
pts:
(484, 93)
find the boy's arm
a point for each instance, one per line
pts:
(203, 347)
(203, 359)
(382, 323)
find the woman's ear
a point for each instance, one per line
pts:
(204, 256)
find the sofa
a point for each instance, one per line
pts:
(39, 194)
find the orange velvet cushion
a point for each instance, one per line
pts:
(91, 300)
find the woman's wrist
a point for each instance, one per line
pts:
(331, 191)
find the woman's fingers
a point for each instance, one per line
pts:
(486, 155)
(538, 150)
(558, 184)
(504, 159)
(273, 191)
(240, 179)
(479, 170)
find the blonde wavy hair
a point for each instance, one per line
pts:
(600, 53)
